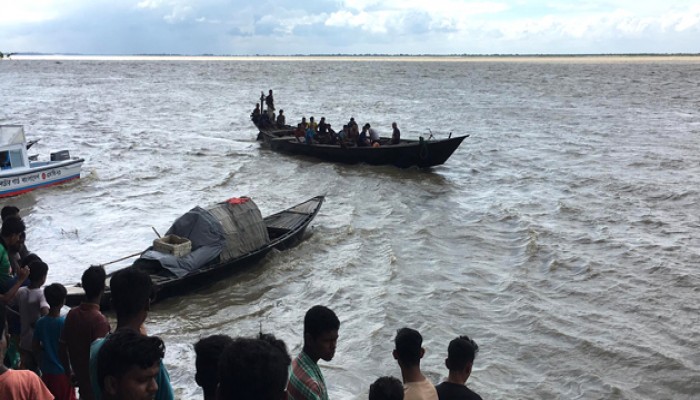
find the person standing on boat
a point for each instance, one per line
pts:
(306, 381)
(396, 134)
(270, 102)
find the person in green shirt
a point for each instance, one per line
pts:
(306, 381)
(10, 237)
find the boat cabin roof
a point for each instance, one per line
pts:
(11, 135)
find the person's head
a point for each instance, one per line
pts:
(55, 295)
(208, 351)
(131, 290)
(28, 259)
(12, 229)
(303, 120)
(270, 91)
(320, 333)
(386, 388)
(93, 282)
(393, 124)
(128, 364)
(281, 111)
(9, 211)
(37, 273)
(460, 355)
(323, 119)
(254, 369)
(408, 347)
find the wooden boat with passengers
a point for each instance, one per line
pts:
(206, 244)
(422, 153)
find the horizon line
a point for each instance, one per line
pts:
(33, 53)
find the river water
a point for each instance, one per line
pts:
(562, 235)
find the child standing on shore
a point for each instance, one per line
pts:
(46, 334)
(32, 305)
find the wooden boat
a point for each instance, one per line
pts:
(21, 173)
(285, 229)
(421, 153)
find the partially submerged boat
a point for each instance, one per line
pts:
(206, 244)
(21, 173)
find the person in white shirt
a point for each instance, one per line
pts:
(408, 352)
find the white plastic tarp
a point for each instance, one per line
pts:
(11, 134)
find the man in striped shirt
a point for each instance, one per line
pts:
(320, 338)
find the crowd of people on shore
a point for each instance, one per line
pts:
(321, 132)
(47, 355)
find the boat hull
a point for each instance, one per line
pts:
(18, 181)
(408, 153)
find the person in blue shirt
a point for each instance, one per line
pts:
(131, 291)
(47, 331)
(128, 365)
(309, 136)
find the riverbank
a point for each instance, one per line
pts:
(615, 58)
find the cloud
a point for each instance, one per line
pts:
(349, 26)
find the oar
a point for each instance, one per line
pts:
(125, 257)
(120, 259)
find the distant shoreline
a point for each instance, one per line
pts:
(544, 58)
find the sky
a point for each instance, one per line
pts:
(323, 27)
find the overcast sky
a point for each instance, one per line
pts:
(283, 27)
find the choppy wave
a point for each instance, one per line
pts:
(561, 236)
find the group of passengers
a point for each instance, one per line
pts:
(350, 135)
(312, 132)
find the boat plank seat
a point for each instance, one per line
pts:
(285, 220)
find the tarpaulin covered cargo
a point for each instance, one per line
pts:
(220, 232)
(243, 226)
